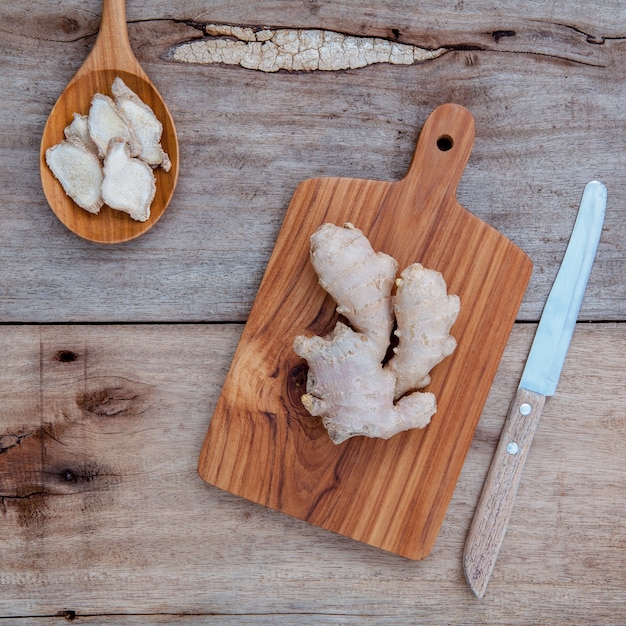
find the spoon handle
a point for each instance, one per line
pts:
(112, 48)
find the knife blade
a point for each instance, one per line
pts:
(539, 380)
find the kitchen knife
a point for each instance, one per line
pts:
(539, 380)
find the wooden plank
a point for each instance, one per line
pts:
(121, 523)
(270, 619)
(248, 139)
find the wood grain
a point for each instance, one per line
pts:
(263, 445)
(110, 57)
(136, 536)
(146, 541)
(495, 506)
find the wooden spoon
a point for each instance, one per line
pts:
(111, 56)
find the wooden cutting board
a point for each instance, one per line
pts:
(264, 446)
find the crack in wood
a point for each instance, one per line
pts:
(21, 496)
(498, 34)
(116, 397)
(592, 39)
(11, 441)
(269, 49)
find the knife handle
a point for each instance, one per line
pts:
(498, 495)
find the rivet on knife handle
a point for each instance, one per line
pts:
(496, 503)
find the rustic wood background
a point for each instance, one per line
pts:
(113, 357)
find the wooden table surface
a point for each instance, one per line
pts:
(113, 357)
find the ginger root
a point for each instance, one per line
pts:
(348, 385)
(424, 315)
(358, 279)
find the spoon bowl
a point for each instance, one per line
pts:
(111, 56)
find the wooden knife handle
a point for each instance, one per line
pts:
(498, 495)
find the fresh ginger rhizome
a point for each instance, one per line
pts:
(349, 384)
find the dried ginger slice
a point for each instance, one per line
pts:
(79, 171)
(78, 130)
(129, 183)
(144, 123)
(105, 123)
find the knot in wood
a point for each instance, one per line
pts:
(66, 356)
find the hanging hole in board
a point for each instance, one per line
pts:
(445, 143)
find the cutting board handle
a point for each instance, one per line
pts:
(442, 151)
